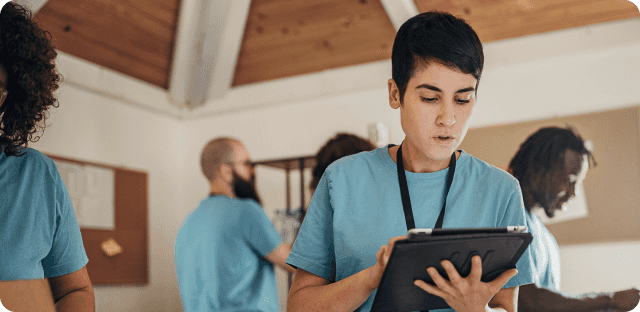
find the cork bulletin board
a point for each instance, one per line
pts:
(118, 251)
(612, 188)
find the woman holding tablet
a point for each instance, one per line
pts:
(437, 62)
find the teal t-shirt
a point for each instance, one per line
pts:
(545, 255)
(357, 208)
(220, 262)
(39, 233)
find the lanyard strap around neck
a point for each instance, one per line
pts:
(404, 191)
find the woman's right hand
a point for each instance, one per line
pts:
(382, 257)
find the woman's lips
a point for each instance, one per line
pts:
(444, 140)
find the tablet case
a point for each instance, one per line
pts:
(411, 257)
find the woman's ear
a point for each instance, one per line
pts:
(394, 94)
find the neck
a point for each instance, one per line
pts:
(218, 187)
(414, 161)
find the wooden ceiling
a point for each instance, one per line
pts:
(284, 38)
(287, 38)
(134, 37)
(503, 19)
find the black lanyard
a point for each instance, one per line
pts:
(404, 191)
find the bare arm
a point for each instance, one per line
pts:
(26, 295)
(73, 292)
(533, 298)
(279, 255)
(313, 293)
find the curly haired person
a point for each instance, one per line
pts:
(42, 258)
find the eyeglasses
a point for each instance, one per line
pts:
(246, 163)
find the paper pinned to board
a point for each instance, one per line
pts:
(92, 192)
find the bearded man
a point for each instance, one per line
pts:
(226, 248)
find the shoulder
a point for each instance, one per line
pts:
(33, 162)
(247, 204)
(230, 206)
(481, 172)
(361, 163)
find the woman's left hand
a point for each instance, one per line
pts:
(465, 294)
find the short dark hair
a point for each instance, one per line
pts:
(543, 149)
(435, 37)
(27, 55)
(343, 144)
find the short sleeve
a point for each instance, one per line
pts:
(515, 215)
(313, 250)
(258, 230)
(67, 253)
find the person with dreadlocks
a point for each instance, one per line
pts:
(42, 258)
(550, 165)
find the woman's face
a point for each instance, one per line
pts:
(436, 108)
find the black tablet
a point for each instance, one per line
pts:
(499, 248)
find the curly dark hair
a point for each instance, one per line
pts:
(343, 144)
(27, 55)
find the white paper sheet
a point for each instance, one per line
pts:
(92, 192)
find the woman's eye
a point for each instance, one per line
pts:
(462, 101)
(429, 100)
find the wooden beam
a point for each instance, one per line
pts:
(33, 5)
(209, 40)
(399, 11)
(227, 48)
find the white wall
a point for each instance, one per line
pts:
(94, 128)
(106, 117)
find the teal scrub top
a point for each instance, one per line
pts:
(39, 233)
(545, 255)
(220, 257)
(357, 208)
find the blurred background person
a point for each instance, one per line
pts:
(226, 248)
(42, 258)
(341, 145)
(550, 165)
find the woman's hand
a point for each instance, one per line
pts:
(465, 294)
(382, 257)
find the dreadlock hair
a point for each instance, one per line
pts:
(543, 149)
(343, 144)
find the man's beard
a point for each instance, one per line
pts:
(245, 189)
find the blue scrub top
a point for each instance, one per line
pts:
(39, 233)
(545, 254)
(357, 208)
(220, 262)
